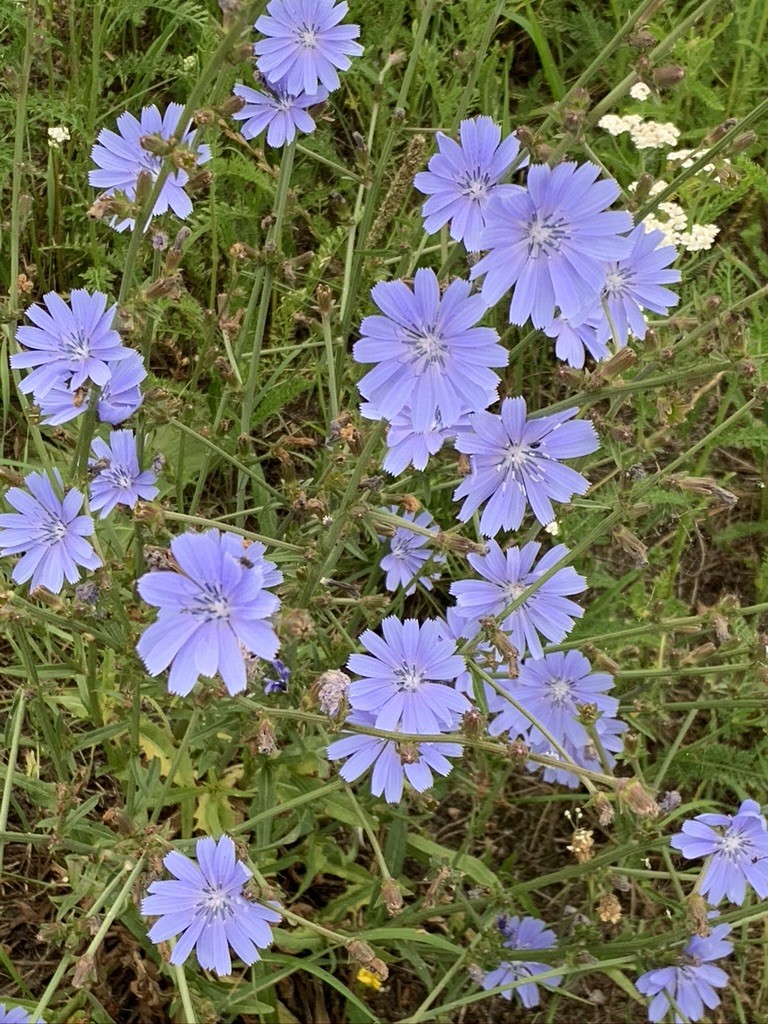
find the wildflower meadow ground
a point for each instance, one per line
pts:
(383, 588)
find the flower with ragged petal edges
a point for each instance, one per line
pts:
(407, 446)
(305, 44)
(121, 480)
(515, 462)
(119, 398)
(523, 933)
(551, 689)
(737, 848)
(636, 283)
(690, 986)
(404, 677)
(409, 552)
(212, 610)
(277, 111)
(430, 354)
(48, 532)
(120, 159)
(552, 241)
(506, 574)
(71, 344)
(463, 176)
(205, 904)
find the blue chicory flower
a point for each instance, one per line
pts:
(121, 158)
(506, 575)
(210, 611)
(47, 530)
(515, 463)
(392, 762)
(690, 986)
(408, 553)
(552, 241)
(738, 850)
(305, 44)
(431, 356)
(573, 341)
(277, 111)
(280, 684)
(523, 933)
(463, 176)
(15, 1015)
(207, 906)
(551, 689)
(119, 398)
(404, 677)
(70, 345)
(636, 283)
(409, 447)
(120, 481)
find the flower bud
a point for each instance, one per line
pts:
(668, 76)
(157, 145)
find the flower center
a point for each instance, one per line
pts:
(617, 282)
(54, 530)
(475, 185)
(216, 903)
(559, 690)
(76, 346)
(401, 547)
(732, 843)
(545, 235)
(516, 457)
(307, 37)
(408, 679)
(428, 346)
(118, 476)
(513, 590)
(212, 604)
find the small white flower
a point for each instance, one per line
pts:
(189, 63)
(552, 528)
(654, 134)
(655, 189)
(640, 91)
(700, 236)
(618, 125)
(57, 135)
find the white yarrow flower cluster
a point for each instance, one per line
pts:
(616, 125)
(700, 236)
(654, 134)
(644, 134)
(57, 135)
(640, 91)
(676, 230)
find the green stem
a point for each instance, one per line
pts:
(184, 994)
(335, 542)
(274, 237)
(13, 753)
(333, 396)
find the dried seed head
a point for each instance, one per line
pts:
(392, 895)
(636, 797)
(609, 909)
(582, 845)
